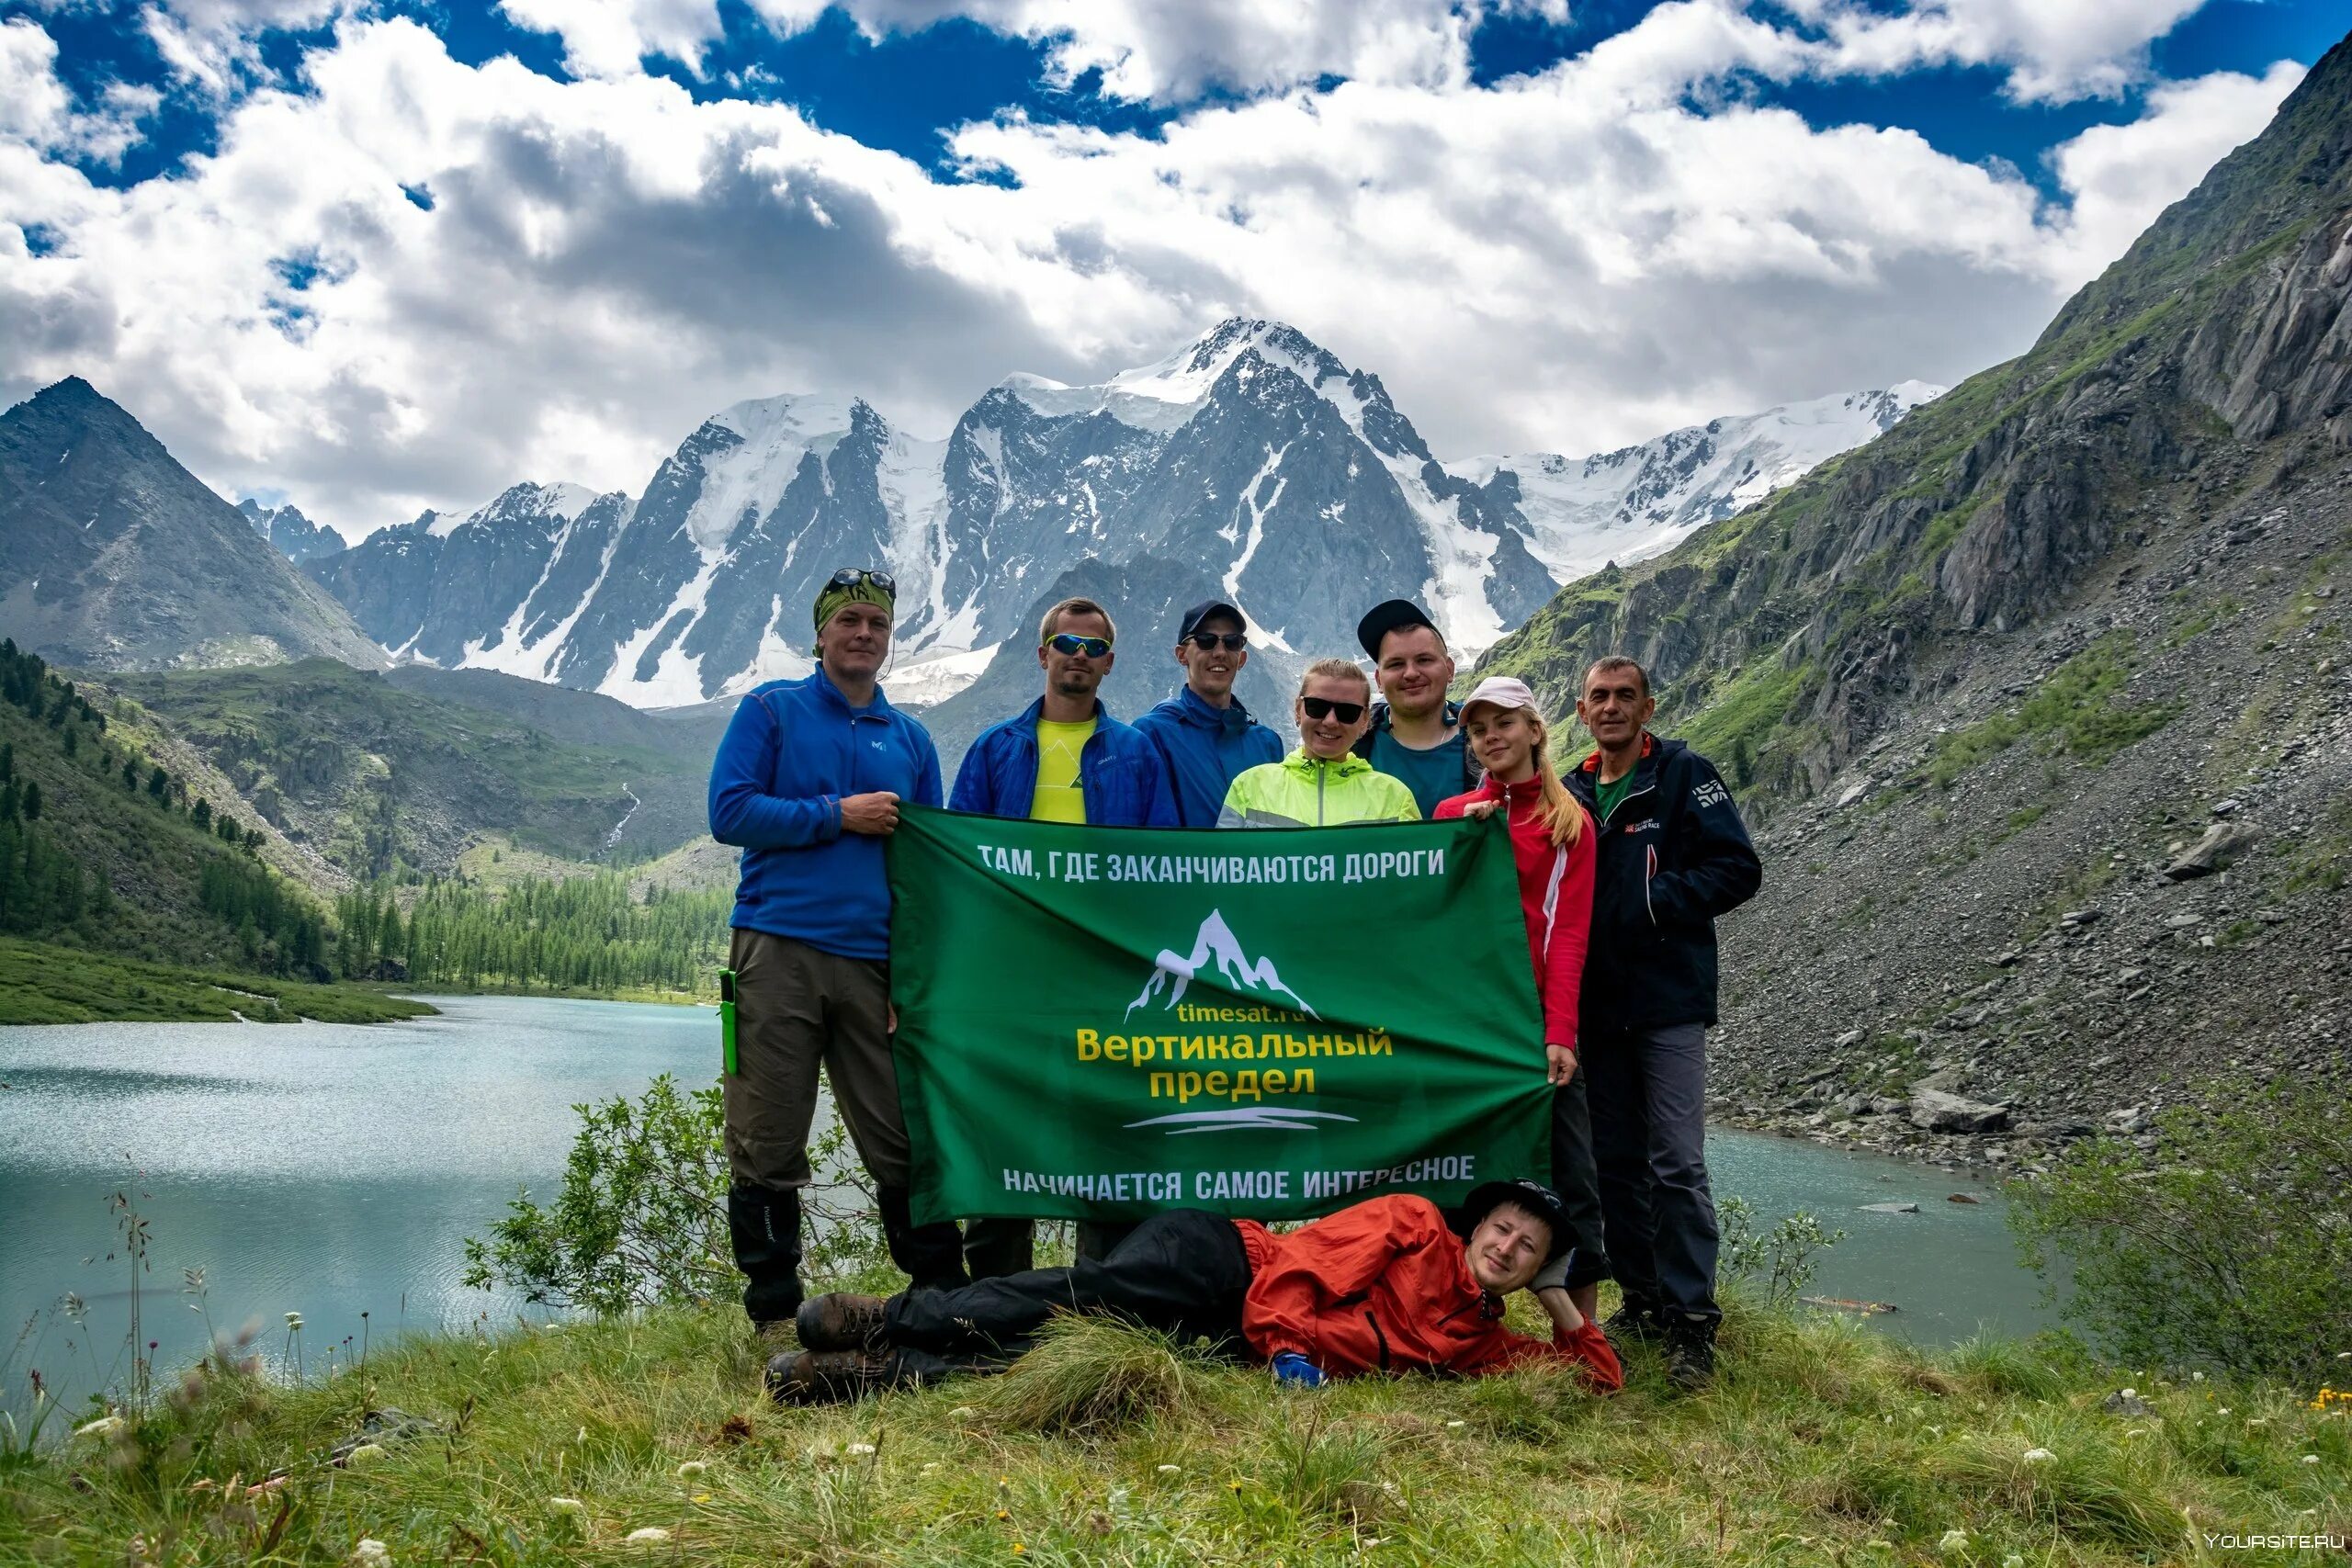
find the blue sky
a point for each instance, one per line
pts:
(383, 254)
(906, 91)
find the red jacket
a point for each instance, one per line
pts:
(1386, 1286)
(1555, 896)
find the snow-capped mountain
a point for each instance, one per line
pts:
(1582, 512)
(297, 537)
(1253, 453)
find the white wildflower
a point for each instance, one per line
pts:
(2197, 1377)
(372, 1554)
(103, 1427)
(572, 1505)
(2012, 1560)
(2130, 1394)
(1954, 1542)
(2039, 1456)
(931, 1466)
(1456, 1426)
(1170, 1469)
(691, 1469)
(859, 1450)
(293, 1320)
(2257, 1420)
(962, 1413)
(2310, 1459)
(651, 1535)
(365, 1454)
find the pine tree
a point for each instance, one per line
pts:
(201, 812)
(31, 803)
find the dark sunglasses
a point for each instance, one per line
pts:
(1324, 707)
(1233, 641)
(851, 576)
(1073, 645)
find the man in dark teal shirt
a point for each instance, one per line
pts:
(1416, 735)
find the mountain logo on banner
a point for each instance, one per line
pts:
(1236, 969)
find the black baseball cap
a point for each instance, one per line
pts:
(1532, 1196)
(1386, 617)
(1202, 612)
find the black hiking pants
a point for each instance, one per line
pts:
(1184, 1272)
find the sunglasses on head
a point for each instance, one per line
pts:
(1073, 645)
(1233, 641)
(851, 576)
(1324, 707)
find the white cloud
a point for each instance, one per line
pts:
(1568, 261)
(37, 111)
(2120, 177)
(2054, 51)
(609, 37)
(210, 46)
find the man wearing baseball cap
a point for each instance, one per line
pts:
(1206, 736)
(1416, 735)
(1672, 858)
(808, 781)
(1388, 1285)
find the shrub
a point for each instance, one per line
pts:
(2224, 1244)
(642, 1219)
(1778, 1263)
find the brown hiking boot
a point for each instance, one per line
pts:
(840, 1320)
(825, 1377)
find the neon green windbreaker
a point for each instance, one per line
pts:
(1301, 791)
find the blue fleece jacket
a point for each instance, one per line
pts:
(1204, 748)
(792, 751)
(1120, 772)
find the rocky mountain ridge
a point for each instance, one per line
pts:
(2039, 701)
(1252, 452)
(113, 556)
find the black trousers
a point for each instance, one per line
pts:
(1649, 1116)
(1184, 1272)
(1576, 1178)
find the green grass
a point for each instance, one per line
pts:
(41, 984)
(1822, 1444)
(2083, 709)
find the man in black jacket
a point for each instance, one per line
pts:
(1672, 856)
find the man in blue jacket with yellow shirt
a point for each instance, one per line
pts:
(1207, 739)
(808, 781)
(1062, 759)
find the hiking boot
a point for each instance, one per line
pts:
(1636, 1323)
(840, 1320)
(825, 1377)
(829, 1377)
(1691, 1355)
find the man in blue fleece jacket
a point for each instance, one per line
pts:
(1207, 739)
(807, 781)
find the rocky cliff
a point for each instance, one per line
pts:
(1989, 682)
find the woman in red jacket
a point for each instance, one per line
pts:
(1552, 844)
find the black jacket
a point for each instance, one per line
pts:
(1672, 858)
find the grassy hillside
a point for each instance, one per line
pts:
(109, 848)
(379, 781)
(1824, 1444)
(43, 984)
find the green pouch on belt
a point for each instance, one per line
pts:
(727, 1019)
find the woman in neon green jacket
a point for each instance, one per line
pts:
(1321, 784)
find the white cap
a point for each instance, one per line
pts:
(1501, 691)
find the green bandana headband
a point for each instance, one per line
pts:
(829, 599)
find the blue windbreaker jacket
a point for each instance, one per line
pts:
(1120, 770)
(792, 751)
(1204, 749)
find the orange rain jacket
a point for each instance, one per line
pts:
(1386, 1286)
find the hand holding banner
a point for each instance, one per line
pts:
(1104, 1023)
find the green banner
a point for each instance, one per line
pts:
(1105, 1022)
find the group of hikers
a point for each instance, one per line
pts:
(1623, 865)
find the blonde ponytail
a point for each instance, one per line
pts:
(1562, 814)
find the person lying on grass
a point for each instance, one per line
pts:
(1384, 1286)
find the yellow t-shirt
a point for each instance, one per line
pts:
(1059, 797)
